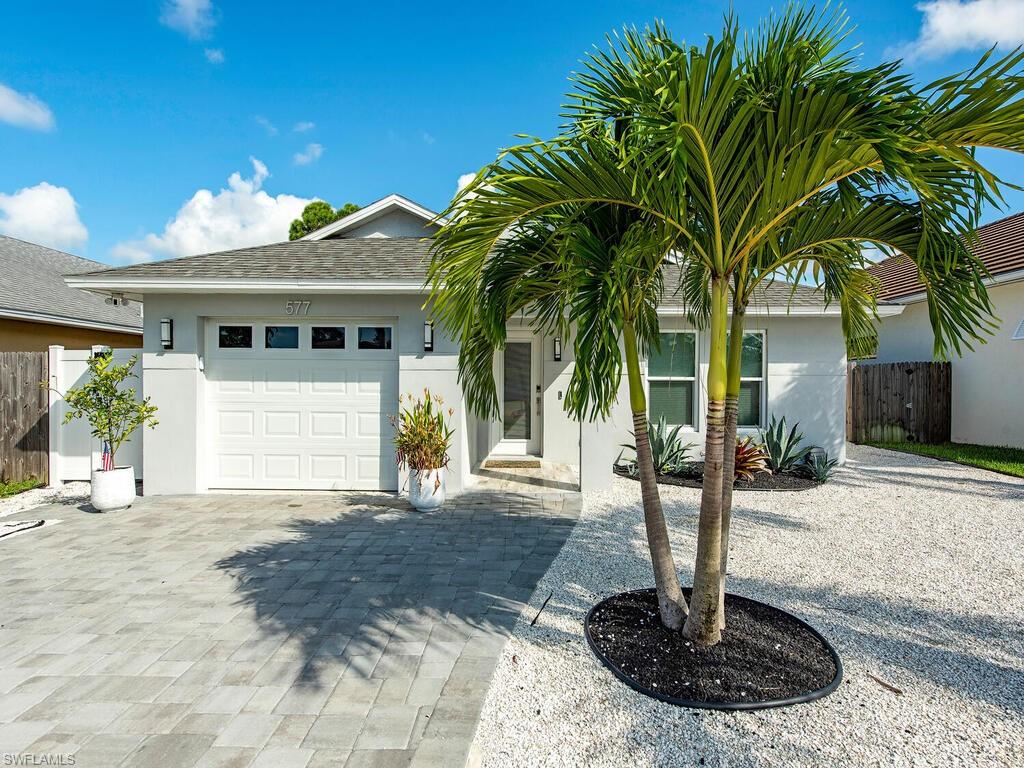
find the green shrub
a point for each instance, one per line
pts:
(671, 455)
(818, 466)
(783, 448)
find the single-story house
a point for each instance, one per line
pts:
(986, 404)
(277, 366)
(38, 309)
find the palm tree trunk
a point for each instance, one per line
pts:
(703, 622)
(732, 408)
(671, 603)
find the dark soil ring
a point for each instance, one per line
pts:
(767, 657)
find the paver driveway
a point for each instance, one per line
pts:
(264, 630)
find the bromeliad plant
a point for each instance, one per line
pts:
(669, 454)
(111, 409)
(422, 436)
(782, 448)
(738, 160)
(750, 460)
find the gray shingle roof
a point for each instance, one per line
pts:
(371, 258)
(367, 258)
(773, 294)
(32, 280)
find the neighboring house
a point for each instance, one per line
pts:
(38, 309)
(280, 365)
(986, 404)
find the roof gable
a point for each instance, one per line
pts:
(391, 216)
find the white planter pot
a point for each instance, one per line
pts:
(426, 488)
(113, 489)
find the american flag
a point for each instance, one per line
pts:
(107, 461)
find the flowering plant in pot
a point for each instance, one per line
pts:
(422, 440)
(114, 413)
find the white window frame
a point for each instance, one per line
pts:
(1018, 335)
(695, 405)
(763, 378)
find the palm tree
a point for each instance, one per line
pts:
(776, 156)
(592, 273)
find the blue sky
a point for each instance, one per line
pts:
(114, 118)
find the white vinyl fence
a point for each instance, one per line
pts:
(74, 452)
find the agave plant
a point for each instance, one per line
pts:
(750, 459)
(818, 466)
(783, 448)
(669, 452)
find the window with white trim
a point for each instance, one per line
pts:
(672, 379)
(1018, 335)
(752, 380)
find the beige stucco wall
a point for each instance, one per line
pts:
(986, 402)
(22, 336)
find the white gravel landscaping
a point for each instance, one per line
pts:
(911, 567)
(69, 493)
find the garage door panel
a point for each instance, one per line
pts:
(281, 467)
(328, 424)
(328, 468)
(231, 423)
(282, 423)
(235, 467)
(300, 420)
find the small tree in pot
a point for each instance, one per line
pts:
(422, 440)
(114, 414)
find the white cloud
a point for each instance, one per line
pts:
(238, 216)
(311, 154)
(304, 126)
(952, 25)
(268, 126)
(43, 214)
(463, 181)
(214, 55)
(24, 110)
(195, 18)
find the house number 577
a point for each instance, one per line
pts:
(296, 307)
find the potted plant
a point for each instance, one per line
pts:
(422, 440)
(114, 414)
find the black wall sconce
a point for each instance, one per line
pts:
(558, 349)
(428, 336)
(167, 333)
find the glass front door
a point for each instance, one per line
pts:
(517, 396)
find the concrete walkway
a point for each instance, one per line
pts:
(281, 631)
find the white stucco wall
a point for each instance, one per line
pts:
(175, 451)
(986, 405)
(805, 380)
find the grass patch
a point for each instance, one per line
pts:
(12, 489)
(1009, 461)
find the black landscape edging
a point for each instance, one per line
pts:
(739, 706)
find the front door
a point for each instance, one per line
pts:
(521, 400)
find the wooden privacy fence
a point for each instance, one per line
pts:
(899, 402)
(24, 417)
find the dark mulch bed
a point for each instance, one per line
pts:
(764, 481)
(766, 658)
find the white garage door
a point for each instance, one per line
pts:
(301, 405)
